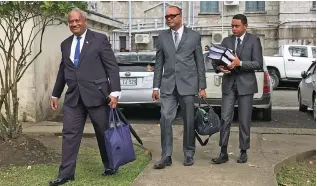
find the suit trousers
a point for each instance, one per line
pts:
(74, 119)
(245, 104)
(169, 104)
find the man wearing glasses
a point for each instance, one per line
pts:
(179, 55)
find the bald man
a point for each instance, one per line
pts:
(179, 74)
(87, 63)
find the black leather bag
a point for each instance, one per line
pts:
(207, 122)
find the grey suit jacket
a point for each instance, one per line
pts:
(252, 59)
(182, 67)
(97, 64)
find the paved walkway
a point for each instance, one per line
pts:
(268, 147)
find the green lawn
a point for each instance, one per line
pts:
(88, 171)
(302, 173)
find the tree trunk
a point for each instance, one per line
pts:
(16, 125)
(10, 127)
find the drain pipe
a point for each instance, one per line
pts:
(130, 25)
(183, 12)
(188, 22)
(164, 12)
(193, 13)
(222, 8)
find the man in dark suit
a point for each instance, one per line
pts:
(87, 63)
(239, 83)
(179, 74)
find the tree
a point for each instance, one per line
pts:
(16, 51)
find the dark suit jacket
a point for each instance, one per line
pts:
(183, 67)
(252, 59)
(97, 63)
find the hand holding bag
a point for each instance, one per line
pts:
(118, 142)
(206, 122)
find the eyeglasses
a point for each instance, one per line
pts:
(172, 16)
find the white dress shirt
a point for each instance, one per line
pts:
(241, 38)
(72, 56)
(180, 34)
(235, 47)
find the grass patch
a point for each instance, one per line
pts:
(88, 171)
(302, 173)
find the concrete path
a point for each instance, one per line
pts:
(268, 147)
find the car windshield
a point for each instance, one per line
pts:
(136, 62)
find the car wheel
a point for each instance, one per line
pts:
(274, 79)
(267, 114)
(314, 108)
(302, 107)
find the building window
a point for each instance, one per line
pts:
(209, 7)
(123, 42)
(314, 5)
(154, 41)
(255, 6)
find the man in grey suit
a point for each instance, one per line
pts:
(239, 83)
(179, 74)
(87, 63)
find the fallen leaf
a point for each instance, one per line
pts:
(158, 125)
(230, 153)
(311, 162)
(263, 139)
(293, 168)
(147, 152)
(308, 181)
(282, 184)
(251, 165)
(206, 151)
(59, 136)
(29, 167)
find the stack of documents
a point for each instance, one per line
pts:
(221, 55)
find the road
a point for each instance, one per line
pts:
(285, 113)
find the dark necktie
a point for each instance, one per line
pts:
(238, 46)
(176, 39)
(77, 52)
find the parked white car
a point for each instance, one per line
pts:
(261, 101)
(136, 78)
(307, 90)
(288, 64)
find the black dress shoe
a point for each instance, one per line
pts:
(165, 161)
(189, 161)
(222, 158)
(109, 172)
(243, 158)
(61, 181)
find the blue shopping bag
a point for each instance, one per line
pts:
(118, 142)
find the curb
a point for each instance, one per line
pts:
(150, 153)
(291, 159)
(33, 128)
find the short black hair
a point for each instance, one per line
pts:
(179, 9)
(241, 17)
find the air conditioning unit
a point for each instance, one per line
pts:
(92, 6)
(229, 3)
(217, 37)
(142, 38)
